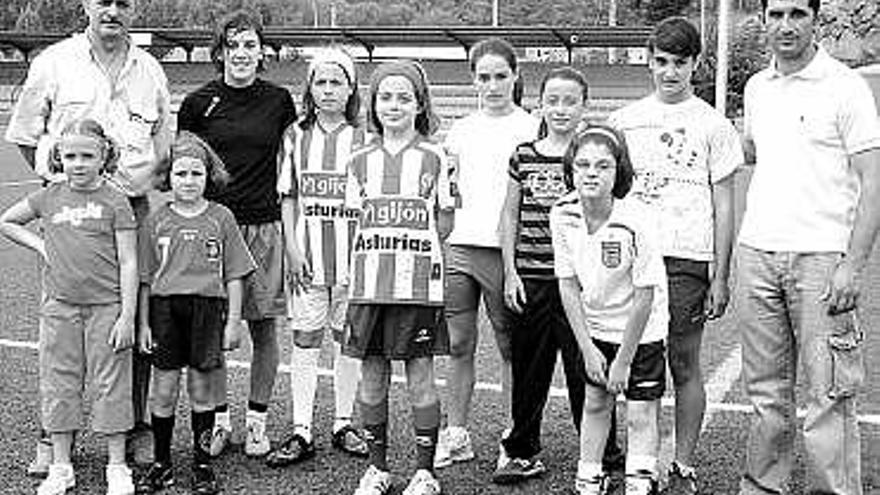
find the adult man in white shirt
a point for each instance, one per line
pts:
(812, 215)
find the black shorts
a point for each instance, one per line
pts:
(395, 331)
(647, 373)
(187, 331)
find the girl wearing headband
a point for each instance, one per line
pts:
(400, 185)
(613, 287)
(192, 261)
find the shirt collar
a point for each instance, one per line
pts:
(84, 46)
(815, 69)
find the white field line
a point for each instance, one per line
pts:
(714, 396)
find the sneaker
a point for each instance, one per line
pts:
(591, 486)
(682, 481)
(157, 478)
(293, 450)
(204, 482)
(256, 443)
(516, 470)
(374, 482)
(119, 481)
(39, 466)
(641, 484)
(423, 483)
(453, 445)
(58, 481)
(219, 440)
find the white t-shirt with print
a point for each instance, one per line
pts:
(609, 264)
(481, 146)
(678, 152)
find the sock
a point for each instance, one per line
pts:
(257, 407)
(303, 383)
(163, 429)
(427, 423)
(202, 425)
(589, 470)
(222, 417)
(376, 426)
(639, 464)
(346, 377)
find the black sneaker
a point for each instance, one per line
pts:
(516, 470)
(204, 481)
(681, 481)
(158, 477)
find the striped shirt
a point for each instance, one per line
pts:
(541, 184)
(396, 258)
(313, 170)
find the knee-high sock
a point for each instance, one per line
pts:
(427, 424)
(202, 425)
(303, 384)
(346, 376)
(163, 429)
(376, 426)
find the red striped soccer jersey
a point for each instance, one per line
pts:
(396, 258)
(313, 170)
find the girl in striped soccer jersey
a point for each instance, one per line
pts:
(318, 233)
(401, 186)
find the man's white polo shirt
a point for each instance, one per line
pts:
(609, 264)
(805, 127)
(66, 82)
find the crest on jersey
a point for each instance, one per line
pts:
(611, 254)
(212, 249)
(426, 185)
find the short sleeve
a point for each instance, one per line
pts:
(353, 184)
(513, 168)
(123, 215)
(186, 115)
(748, 105)
(237, 259)
(725, 150)
(31, 111)
(859, 123)
(287, 184)
(563, 252)
(648, 269)
(289, 113)
(447, 194)
(37, 201)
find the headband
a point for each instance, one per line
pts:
(601, 131)
(333, 56)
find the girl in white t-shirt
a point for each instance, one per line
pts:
(613, 287)
(480, 146)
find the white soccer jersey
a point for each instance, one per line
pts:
(313, 170)
(396, 257)
(609, 264)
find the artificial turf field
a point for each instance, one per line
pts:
(720, 453)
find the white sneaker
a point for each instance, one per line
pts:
(423, 483)
(119, 480)
(59, 480)
(256, 443)
(374, 482)
(453, 445)
(591, 486)
(219, 440)
(39, 466)
(503, 458)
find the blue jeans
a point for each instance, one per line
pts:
(785, 322)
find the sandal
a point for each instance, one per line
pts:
(351, 441)
(295, 449)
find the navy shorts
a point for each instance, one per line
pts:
(187, 331)
(395, 331)
(647, 372)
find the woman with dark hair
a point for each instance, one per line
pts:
(243, 118)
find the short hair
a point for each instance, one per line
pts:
(813, 4)
(676, 35)
(336, 56)
(89, 128)
(188, 144)
(566, 73)
(426, 120)
(614, 141)
(501, 48)
(235, 22)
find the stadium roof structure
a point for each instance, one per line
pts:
(569, 37)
